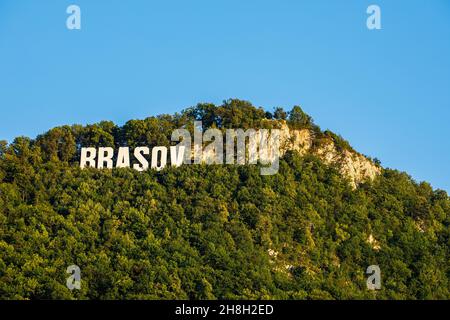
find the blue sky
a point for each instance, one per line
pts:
(386, 91)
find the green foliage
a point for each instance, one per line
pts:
(210, 232)
(280, 114)
(233, 113)
(298, 119)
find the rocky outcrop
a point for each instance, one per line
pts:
(356, 167)
(374, 243)
(350, 163)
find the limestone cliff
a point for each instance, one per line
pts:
(351, 164)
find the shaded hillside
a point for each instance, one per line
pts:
(220, 231)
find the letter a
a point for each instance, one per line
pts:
(74, 20)
(374, 279)
(374, 20)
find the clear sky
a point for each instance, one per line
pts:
(386, 91)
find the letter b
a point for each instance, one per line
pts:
(88, 156)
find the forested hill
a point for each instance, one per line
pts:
(213, 231)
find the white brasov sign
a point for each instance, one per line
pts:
(241, 147)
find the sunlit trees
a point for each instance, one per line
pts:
(206, 232)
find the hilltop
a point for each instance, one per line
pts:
(221, 231)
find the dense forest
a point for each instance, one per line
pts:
(212, 232)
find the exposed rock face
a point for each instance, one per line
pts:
(295, 140)
(374, 243)
(351, 164)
